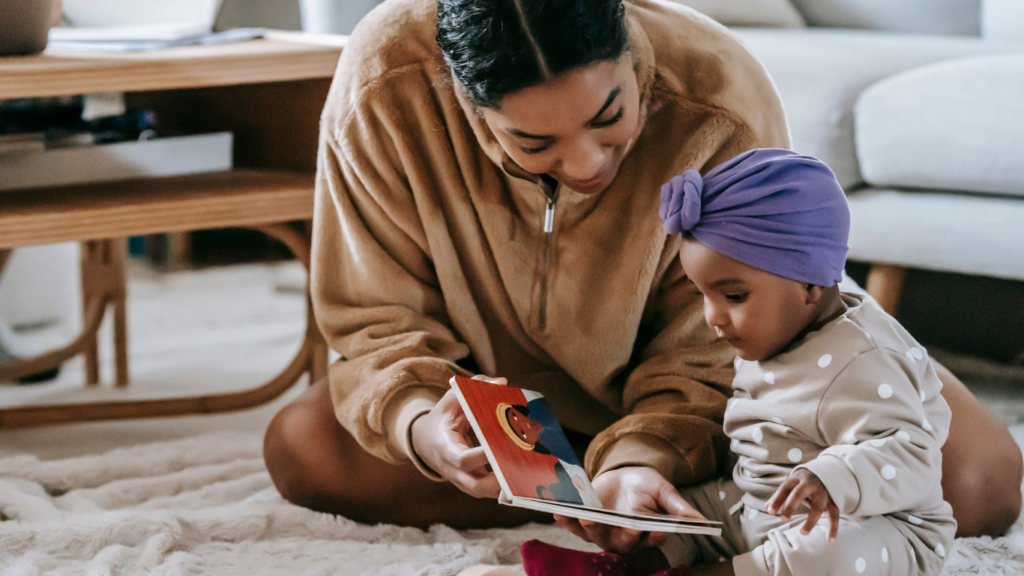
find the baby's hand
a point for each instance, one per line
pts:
(803, 486)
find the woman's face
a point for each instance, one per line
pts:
(574, 128)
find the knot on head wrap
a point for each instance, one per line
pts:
(771, 209)
(680, 202)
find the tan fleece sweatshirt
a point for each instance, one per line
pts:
(430, 251)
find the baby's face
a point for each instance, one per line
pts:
(755, 312)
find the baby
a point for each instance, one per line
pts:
(836, 417)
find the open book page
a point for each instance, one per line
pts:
(534, 462)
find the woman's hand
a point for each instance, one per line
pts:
(803, 486)
(442, 438)
(632, 489)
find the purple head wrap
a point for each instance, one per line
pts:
(772, 209)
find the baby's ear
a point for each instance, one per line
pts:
(814, 293)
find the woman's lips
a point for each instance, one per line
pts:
(589, 185)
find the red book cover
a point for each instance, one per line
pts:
(531, 451)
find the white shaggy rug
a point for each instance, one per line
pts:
(206, 505)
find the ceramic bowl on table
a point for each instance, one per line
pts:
(24, 25)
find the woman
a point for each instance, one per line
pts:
(487, 201)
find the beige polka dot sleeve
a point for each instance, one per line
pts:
(883, 422)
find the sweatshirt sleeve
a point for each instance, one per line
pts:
(675, 396)
(374, 291)
(884, 421)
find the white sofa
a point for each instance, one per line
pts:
(920, 116)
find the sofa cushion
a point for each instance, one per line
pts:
(1002, 20)
(920, 16)
(939, 231)
(954, 126)
(754, 13)
(820, 73)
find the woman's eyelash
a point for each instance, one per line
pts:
(533, 150)
(613, 120)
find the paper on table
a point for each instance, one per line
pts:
(142, 45)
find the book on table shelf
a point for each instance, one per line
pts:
(535, 464)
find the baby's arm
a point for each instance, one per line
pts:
(884, 421)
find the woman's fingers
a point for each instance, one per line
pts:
(612, 538)
(471, 461)
(572, 525)
(671, 501)
(484, 378)
(477, 486)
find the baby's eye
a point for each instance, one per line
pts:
(736, 297)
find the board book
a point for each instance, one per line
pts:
(535, 464)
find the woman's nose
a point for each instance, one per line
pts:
(585, 160)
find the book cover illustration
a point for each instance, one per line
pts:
(535, 458)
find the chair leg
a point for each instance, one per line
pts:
(116, 261)
(885, 282)
(89, 290)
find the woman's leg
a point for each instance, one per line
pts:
(316, 463)
(981, 464)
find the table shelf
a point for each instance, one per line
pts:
(153, 206)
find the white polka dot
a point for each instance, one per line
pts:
(902, 435)
(769, 377)
(758, 435)
(888, 472)
(941, 551)
(923, 396)
(824, 360)
(777, 420)
(795, 455)
(721, 495)
(878, 442)
(850, 439)
(861, 565)
(885, 391)
(926, 425)
(885, 555)
(914, 520)
(916, 353)
(752, 513)
(721, 559)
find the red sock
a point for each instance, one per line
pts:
(540, 559)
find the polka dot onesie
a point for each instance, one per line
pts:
(857, 403)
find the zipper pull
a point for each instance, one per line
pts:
(549, 217)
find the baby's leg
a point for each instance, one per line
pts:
(718, 500)
(877, 545)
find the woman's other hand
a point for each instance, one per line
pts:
(632, 489)
(442, 438)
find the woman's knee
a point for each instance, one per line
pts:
(286, 452)
(986, 494)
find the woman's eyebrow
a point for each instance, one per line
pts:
(608, 102)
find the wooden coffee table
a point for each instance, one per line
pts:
(269, 93)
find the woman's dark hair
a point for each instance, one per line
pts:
(498, 47)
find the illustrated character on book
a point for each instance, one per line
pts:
(526, 425)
